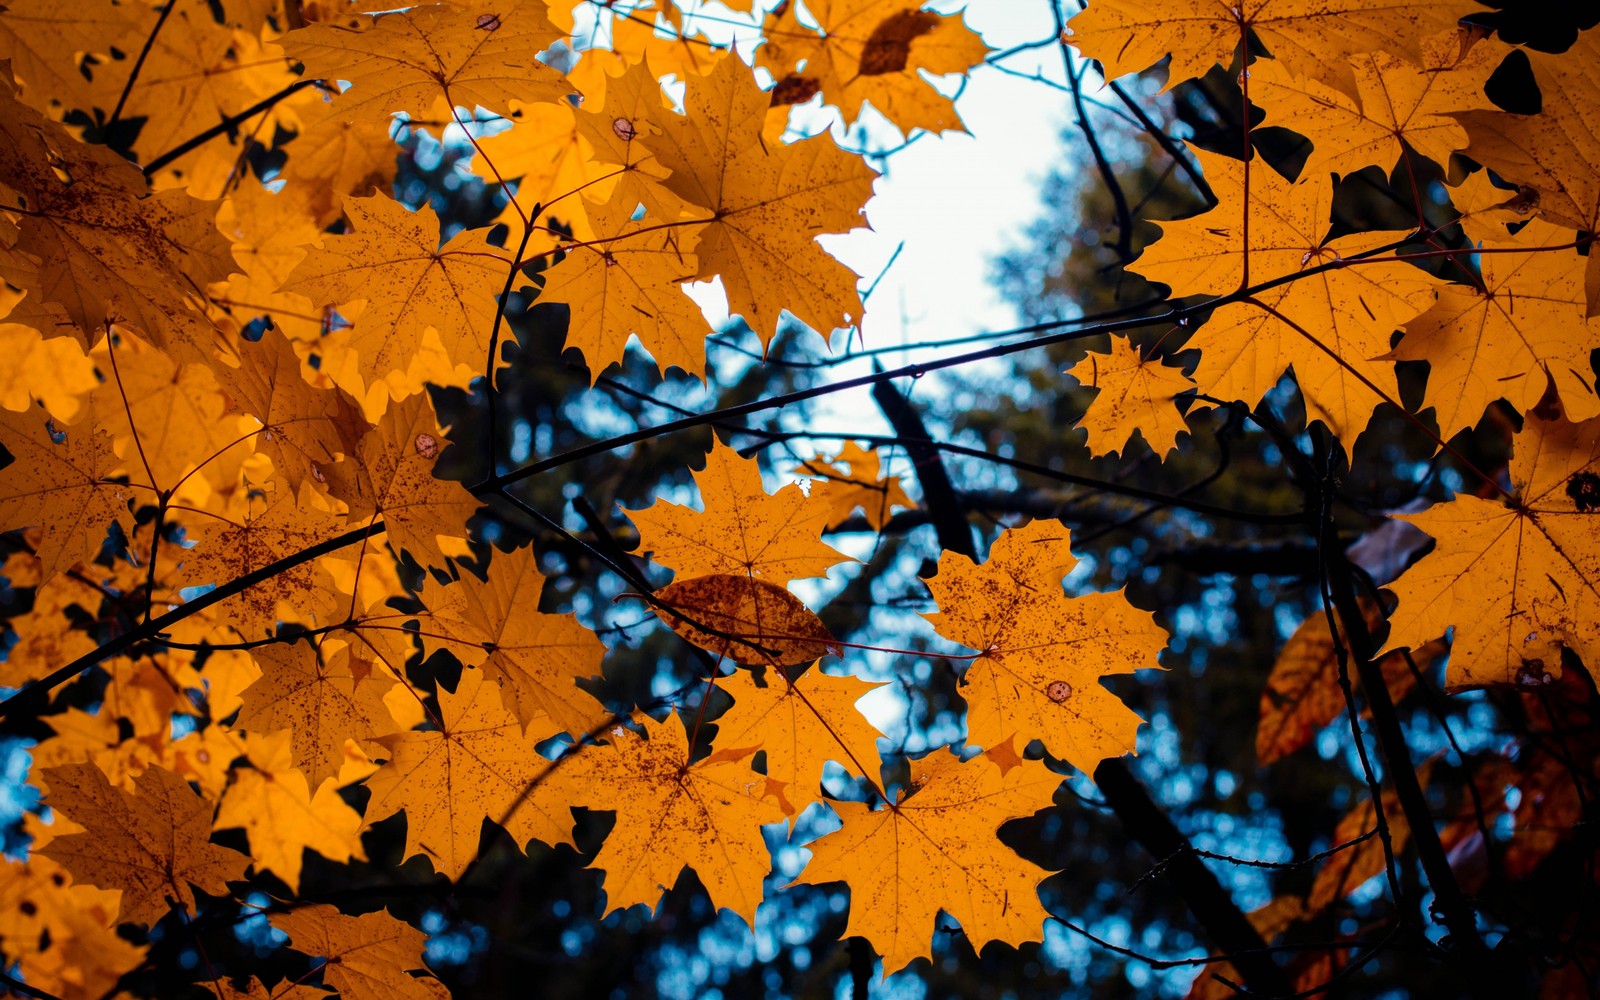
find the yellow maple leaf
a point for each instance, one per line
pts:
(390, 475)
(1523, 332)
(1313, 38)
(853, 480)
(1137, 396)
(1326, 328)
(742, 531)
(394, 264)
(764, 206)
(1398, 101)
(195, 72)
(801, 724)
(62, 937)
(272, 802)
(367, 957)
(938, 848)
(45, 636)
(56, 372)
(1487, 210)
(633, 106)
(455, 52)
(305, 427)
(629, 282)
(1042, 653)
(98, 245)
(1519, 580)
(1556, 153)
(869, 51)
(535, 658)
(59, 481)
(479, 764)
(42, 37)
(674, 813)
(164, 416)
(150, 843)
(254, 532)
(322, 700)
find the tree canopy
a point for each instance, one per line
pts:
(408, 589)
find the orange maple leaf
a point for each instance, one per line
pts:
(1327, 328)
(938, 848)
(870, 51)
(393, 262)
(1042, 653)
(455, 53)
(742, 531)
(766, 205)
(1518, 579)
(536, 658)
(150, 843)
(367, 957)
(1137, 395)
(479, 764)
(674, 813)
(801, 724)
(1313, 38)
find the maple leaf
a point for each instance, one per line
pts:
(872, 52)
(631, 282)
(39, 37)
(224, 989)
(58, 480)
(1302, 693)
(801, 724)
(535, 658)
(274, 804)
(856, 484)
(744, 619)
(322, 702)
(367, 957)
(97, 244)
(390, 475)
(1345, 872)
(393, 262)
(150, 843)
(56, 372)
(1313, 39)
(1524, 330)
(165, 416)
(1487, 210)
(938, 848)
(1042, 653)
(479, 764)
(1400, 101)
(1327, 327)
(304, 427)
(1556, 153)
(235, 71)
(633, 105)
(1137, 395)
(45, 638)
(60, 936)
(456, 51)
(742, 531)
(1520, 579)
(674, 813)
(767, 206)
